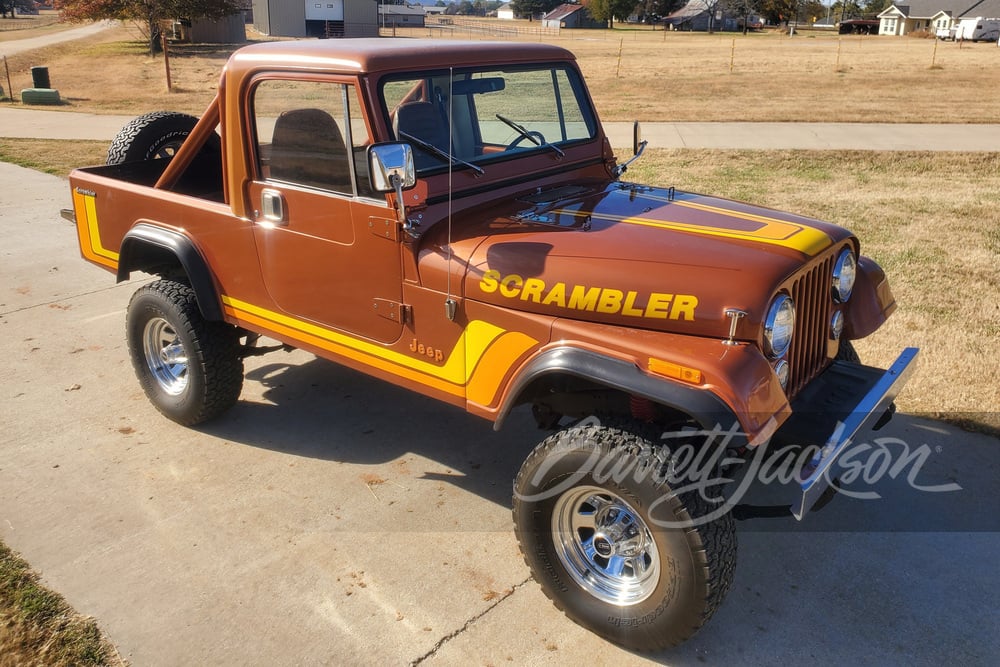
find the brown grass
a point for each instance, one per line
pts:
(53, 157)
(930, 219)
(663, 76)
(37, 627)
(25, 27)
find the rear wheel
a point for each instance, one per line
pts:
(190, 369)
(612, 546)
(155, 135)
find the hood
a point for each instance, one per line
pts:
(628, 254)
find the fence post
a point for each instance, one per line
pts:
(618, 69)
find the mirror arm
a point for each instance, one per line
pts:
(397, 184)
(623, 167)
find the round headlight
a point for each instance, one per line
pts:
(779, 325)
(782, 370)
(844, 273)
(836, 325)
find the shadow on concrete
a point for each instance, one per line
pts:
(321, 410)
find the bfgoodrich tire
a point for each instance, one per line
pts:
(619, 553)
(155, 135)
(190, 369)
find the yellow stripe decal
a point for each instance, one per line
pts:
(452, 377)
(805, 239)
(85, 206)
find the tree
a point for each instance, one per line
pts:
(654, 10)
(147, 13)
(745, 8)
(530, 8)
(609, 10)
(8, 7)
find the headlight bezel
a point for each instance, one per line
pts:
(780, 315)
(845, 273)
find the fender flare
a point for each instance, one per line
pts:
(144, 236)
(701, 404)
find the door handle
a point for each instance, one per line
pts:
(272, 208)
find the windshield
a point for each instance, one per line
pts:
(495, 114)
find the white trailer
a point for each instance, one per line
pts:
(978, 29)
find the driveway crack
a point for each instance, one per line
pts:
(455, 633)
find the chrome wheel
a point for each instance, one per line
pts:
(165, 355)
(605, 545)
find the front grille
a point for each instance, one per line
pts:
(813, 309)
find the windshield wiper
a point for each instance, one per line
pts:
(534, 137)
(437, 152)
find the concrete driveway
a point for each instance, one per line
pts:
(334, 519)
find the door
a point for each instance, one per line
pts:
(329, 253)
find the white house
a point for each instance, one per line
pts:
(912, 15)
(505, 12)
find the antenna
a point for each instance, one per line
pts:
(450, 304)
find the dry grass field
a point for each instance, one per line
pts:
(660, 76)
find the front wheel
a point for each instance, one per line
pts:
(613, 546)
(190, 369)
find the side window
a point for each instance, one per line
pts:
(303, 132)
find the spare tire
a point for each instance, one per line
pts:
(156, 135)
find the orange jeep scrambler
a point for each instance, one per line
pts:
(450, 217)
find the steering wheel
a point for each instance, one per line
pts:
(524, 137)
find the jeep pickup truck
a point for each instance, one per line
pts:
(450, 217)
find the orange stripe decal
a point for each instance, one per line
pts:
(806, 240)
(85, 206)
(468, 356)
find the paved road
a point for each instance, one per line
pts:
(15, 46)
(41, 124)
(333, 519)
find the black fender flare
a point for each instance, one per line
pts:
(144, 237)
(702, 405)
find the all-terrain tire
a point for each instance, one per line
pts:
(156, 135)
(612, 544)
(190, 369)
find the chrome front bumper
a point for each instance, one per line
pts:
(844, 401)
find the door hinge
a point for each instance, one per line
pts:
(392, 310)
(384, 228)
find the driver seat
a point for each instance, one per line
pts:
(423, 121)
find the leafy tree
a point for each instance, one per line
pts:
(609, 10)
(8, 7)
(657, 9)
(530, 8)
(745, 8)
(147, 13)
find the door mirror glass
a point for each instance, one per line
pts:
(391, 167)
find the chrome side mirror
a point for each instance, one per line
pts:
(391, 170)
(638, 147)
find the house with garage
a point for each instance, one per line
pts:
(933, 15)
(316, 18)
(571, 16)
